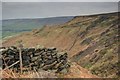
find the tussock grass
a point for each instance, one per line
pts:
(28, 74)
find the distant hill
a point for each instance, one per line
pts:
(13, 26)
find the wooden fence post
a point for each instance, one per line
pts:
(20, 56)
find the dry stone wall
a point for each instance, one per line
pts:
(35, 58)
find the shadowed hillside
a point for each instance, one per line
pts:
(91, 42)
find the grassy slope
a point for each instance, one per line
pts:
(91, 41)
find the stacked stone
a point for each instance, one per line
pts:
(35, 58)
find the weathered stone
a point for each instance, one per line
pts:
(11, 56)
(63, 57)
(31, 50)
(26, 58)
(48, 53)
(52, 48)
(2, 48)
(48, 62)
(3, 51)
(16, 56)
(46, 67)
(35, 58)
(54, 54)
(13, 47)
(38, 50)
(59, 54)
(37, 54)
(26, 62)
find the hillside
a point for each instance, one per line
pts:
(91, 42)
(13, 26)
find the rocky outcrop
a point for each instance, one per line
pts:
(35, 58)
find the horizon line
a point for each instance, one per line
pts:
(63, 16)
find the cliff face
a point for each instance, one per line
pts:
(91, 42)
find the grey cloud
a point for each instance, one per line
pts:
(52, 9)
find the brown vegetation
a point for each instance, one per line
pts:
(81, 37)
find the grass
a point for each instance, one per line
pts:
(29, 74)
(88, 66)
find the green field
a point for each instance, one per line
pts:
(12, 27)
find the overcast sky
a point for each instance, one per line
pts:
(59, 0)
(13, 10)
